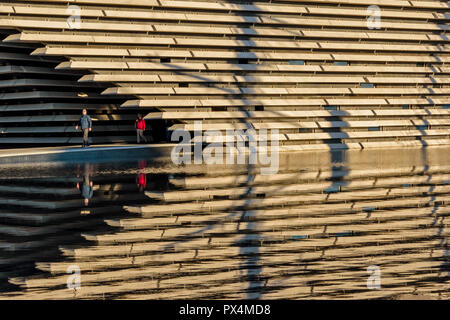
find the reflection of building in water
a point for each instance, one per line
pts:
(215, 233)
(39, 214)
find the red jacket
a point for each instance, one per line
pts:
(140, 124)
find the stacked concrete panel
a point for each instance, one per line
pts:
(41, 105)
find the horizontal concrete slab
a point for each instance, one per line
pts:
(101, 153)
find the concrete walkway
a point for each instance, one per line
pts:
(111, 152)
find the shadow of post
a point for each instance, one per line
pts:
(243, 56)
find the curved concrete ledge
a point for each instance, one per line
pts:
(124, 152)
(97, 153)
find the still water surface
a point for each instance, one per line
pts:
(370, 224)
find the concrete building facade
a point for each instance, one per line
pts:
(325, 73)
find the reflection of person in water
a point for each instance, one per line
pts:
(142, 177)
(87, 186)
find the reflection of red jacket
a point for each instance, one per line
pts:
(142, 180)
(140, 124)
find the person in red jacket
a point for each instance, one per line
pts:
(140, 128)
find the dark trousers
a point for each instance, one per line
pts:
(140, 135)
(85, 137)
